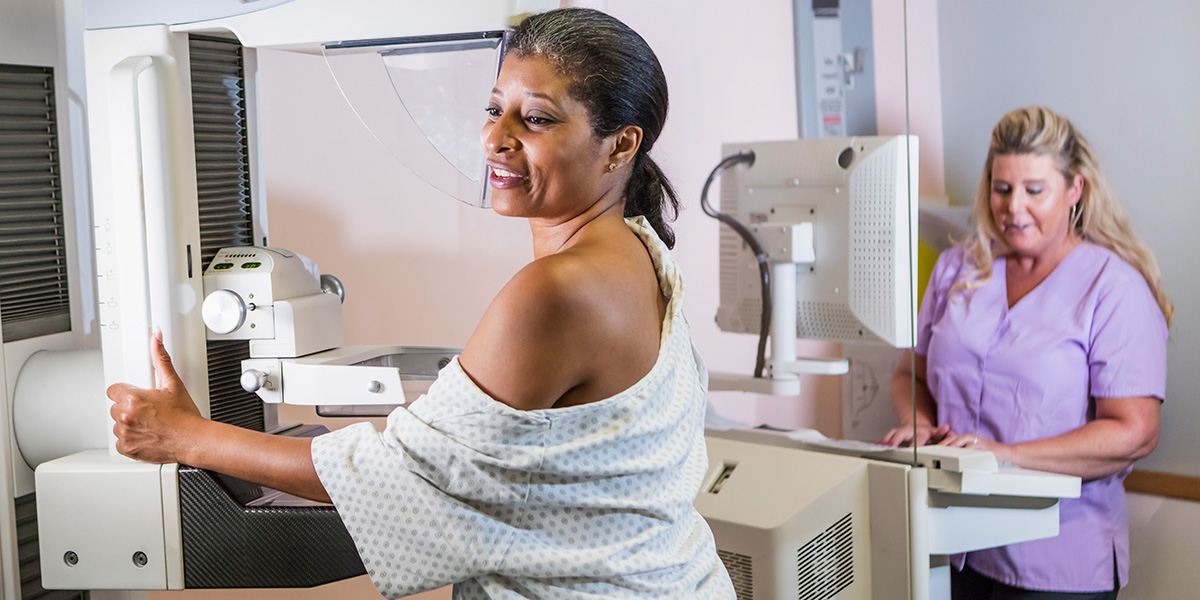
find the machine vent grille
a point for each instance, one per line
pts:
(825, 565)
(223, 182)
(829, 321)
(27, 554)
(741, 571)
(814, 321)
(873, 244)
(222, 145)
(732, 251)
(228, 402)
(34, 297)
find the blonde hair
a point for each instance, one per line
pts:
(1097, 218)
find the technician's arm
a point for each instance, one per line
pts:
(1124, 430)
(909, 387)
(162, 425)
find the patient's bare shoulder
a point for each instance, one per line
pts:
(521, 351)
(567, 329)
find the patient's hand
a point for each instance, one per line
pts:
(152, 425)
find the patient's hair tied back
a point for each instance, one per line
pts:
(616, 75)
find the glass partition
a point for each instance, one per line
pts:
(423, 99)
(852, 80)
(1127, 79)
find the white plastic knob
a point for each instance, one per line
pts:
(223, 311)
(253, 380)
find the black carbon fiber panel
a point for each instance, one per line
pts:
(227, 545)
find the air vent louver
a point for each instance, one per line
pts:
(741, 571)
(825, 565)
(223, 183)
(34, 297)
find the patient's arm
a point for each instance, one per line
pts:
(162, 424)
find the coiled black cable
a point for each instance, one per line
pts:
(764, 267)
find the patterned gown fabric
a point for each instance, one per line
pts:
(589, 501)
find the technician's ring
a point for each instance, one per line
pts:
(974, 440)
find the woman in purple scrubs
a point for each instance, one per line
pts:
(1043, 339)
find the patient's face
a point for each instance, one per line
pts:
(544, 162)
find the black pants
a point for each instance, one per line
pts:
(970, 585)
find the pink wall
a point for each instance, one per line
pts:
(924, 82)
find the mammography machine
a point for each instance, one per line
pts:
(178, 224)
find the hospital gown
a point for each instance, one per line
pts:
(587, 501)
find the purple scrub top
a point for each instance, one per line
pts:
(1091, 329)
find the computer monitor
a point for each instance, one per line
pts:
(858, 196)
(837, 219)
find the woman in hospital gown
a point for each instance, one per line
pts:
(1043, 340)
(559, 455)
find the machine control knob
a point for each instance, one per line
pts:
(253, 380)
(333, 285)
(223, 311)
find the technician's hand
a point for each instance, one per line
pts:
(915, 436)
(152, 425)
(1002, 451)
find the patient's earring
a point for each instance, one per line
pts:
(612, 166)
(1074, 213)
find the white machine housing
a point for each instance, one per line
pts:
(273, 298)
(143, 181)
(864, 525)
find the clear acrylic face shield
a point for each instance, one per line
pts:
(423, 99)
